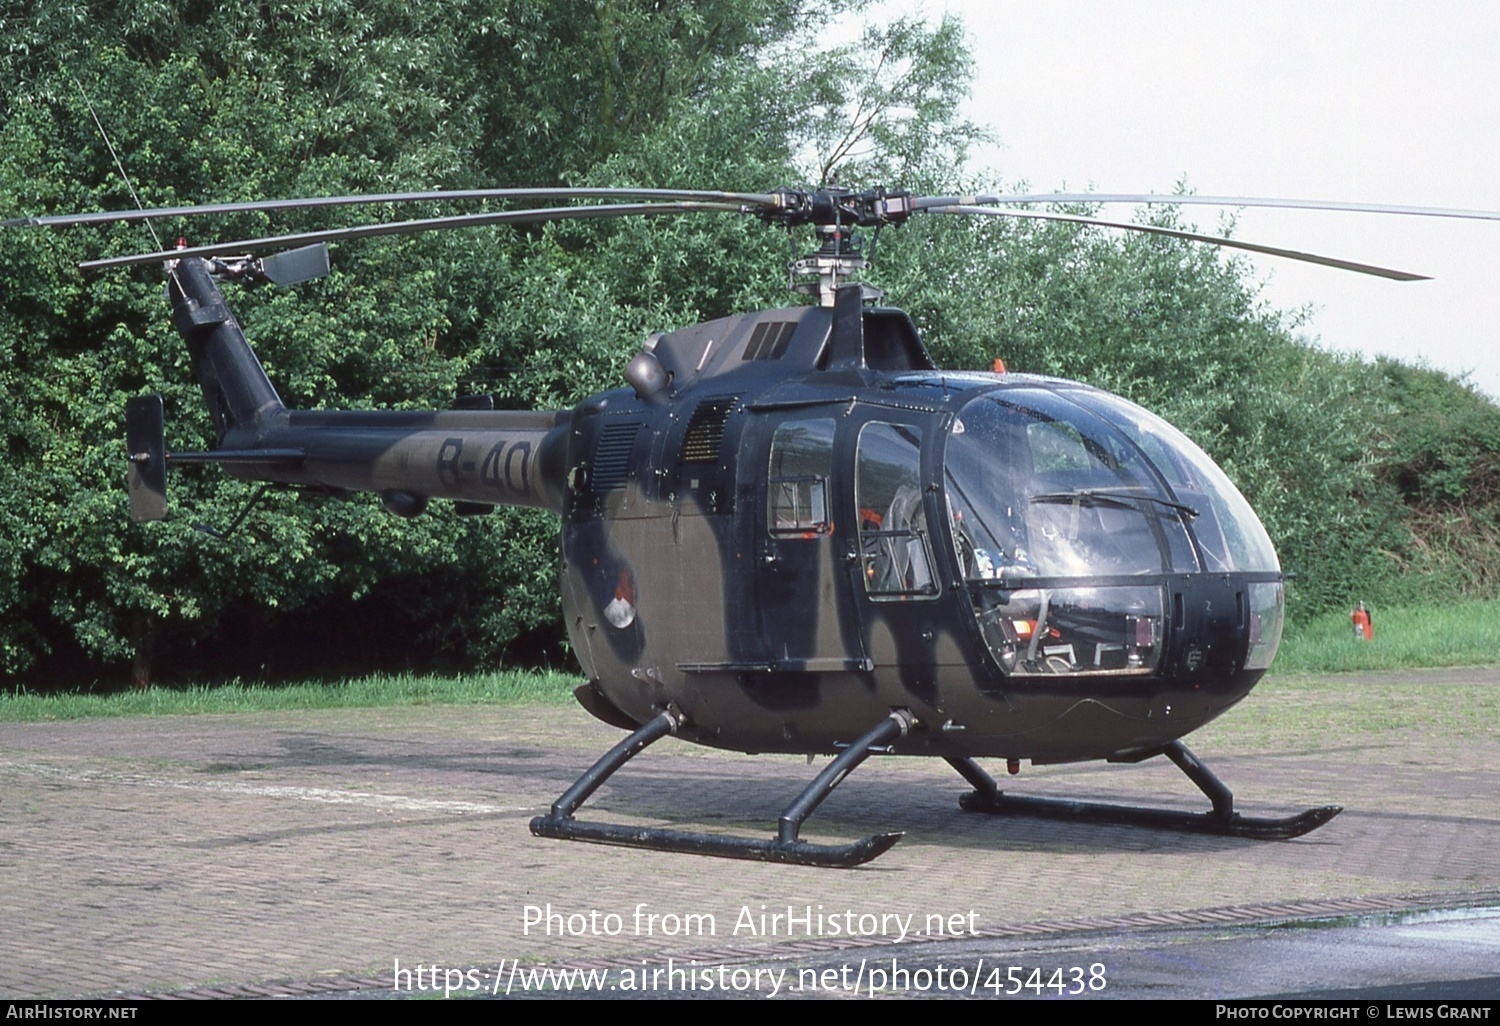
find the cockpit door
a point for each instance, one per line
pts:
(896, 577)
(802, 590)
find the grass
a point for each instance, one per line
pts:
(510, 687)
(1452, 634)
(1302, 711)
(1455, 634)
(1312, 695)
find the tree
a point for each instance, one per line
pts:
(316, 97)
(222, 103)
(1373, 481)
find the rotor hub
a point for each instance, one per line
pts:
(836, 207)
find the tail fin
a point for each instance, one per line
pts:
(239, 395)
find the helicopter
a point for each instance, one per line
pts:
(791, 532)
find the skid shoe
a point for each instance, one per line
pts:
(1221, 819)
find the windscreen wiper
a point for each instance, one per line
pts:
(1096, 496)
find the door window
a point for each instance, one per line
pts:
(895, 551)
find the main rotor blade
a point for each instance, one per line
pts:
(535, 216)
(457, 195)
(1214, 240)
(933, 202)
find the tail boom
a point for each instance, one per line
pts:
(473, 456)
(493, 457)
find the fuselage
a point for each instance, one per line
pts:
(1035, 569)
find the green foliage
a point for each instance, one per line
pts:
(84, 575)
(1379, 481)
(205, 104)
(1441, 439)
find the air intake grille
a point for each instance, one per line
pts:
(769, 340)
(612, 457)
(706, 430)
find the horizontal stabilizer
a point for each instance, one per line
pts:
(148, 457)
(281, 456)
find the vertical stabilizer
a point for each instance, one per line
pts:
(239, 395)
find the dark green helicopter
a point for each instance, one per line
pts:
(792, 532)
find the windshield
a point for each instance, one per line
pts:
(1069, 510)
(1229, 533)
(1040, 487)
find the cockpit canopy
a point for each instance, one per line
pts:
(1068, 509)
(1061, 484)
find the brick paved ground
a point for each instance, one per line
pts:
(187, 852)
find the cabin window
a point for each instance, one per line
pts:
(895, 554)
(801, 463)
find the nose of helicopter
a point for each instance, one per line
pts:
(1095, 539)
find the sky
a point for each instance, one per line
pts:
(1369, 101)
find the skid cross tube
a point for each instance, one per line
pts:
(653, 730)
(887, 730)
(1222, 820)
(788, 847)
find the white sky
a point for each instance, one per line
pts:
(1356, 100)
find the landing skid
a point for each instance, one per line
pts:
(1222, 820)
(787, 847)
